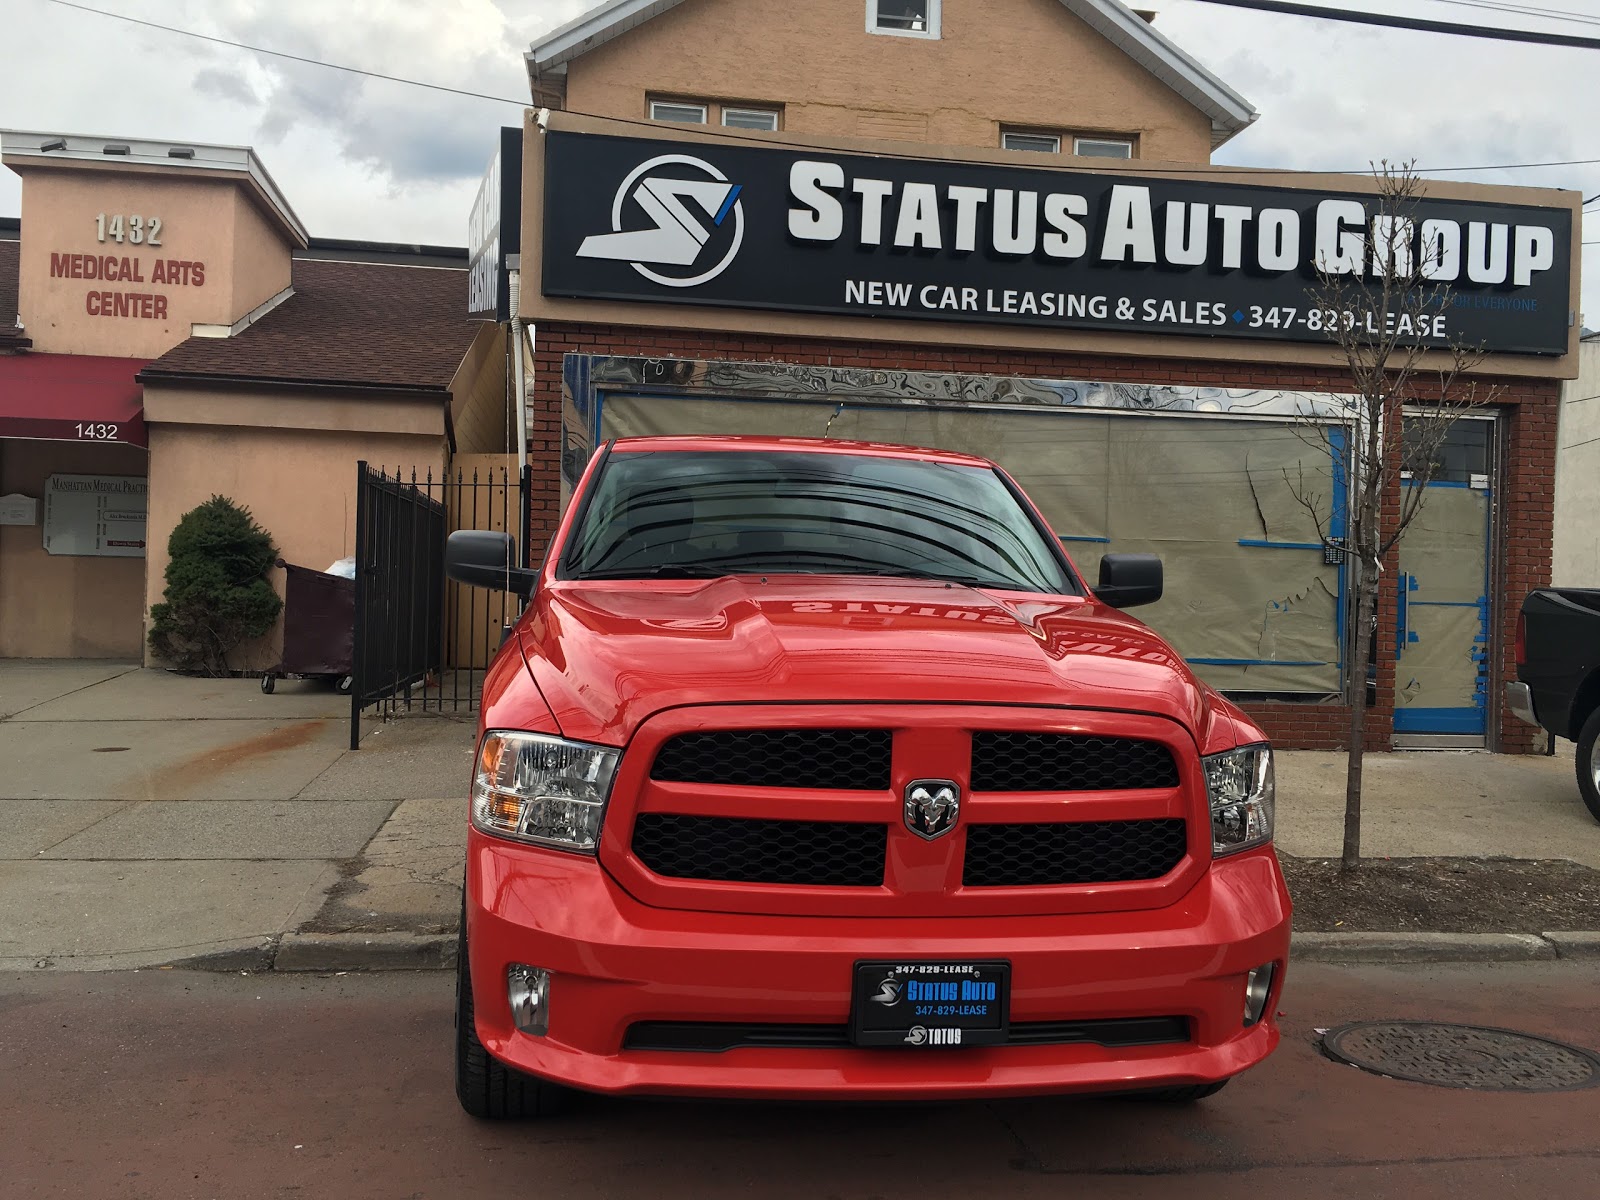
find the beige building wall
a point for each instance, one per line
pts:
(1577, 541)
(57, 606)
(1025, 64)
(479, 405)
(218, 258)
(291, 459)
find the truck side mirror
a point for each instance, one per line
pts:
(486, 559)
(1128, 580)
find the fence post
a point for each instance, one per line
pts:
(525, 495)
(358, 681)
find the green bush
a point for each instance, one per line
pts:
(217, 595)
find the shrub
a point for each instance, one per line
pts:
(217, 595)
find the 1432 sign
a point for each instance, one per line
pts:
(131, 230)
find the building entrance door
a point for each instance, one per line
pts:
(1442, 631)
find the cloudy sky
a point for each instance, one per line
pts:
(368, 158)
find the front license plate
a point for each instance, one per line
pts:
(926, 1004)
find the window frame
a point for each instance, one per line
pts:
(1007, 134)
(777, 118)
(1106, 140)
(704, 110)
(931, 33)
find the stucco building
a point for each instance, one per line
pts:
(993, 226)
(1577, 523)
(169, 331)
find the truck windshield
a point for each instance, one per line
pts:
(688, 514)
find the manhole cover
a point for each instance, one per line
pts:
(1462, 1056)
(109, 749)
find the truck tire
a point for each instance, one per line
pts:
(1589, 764)
(486, 1087)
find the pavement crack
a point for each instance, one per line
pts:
(63, 695)
(1026, 1158)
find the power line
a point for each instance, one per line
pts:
(314, 62)
(769, 141)
(1413, 23)
(1528, 10)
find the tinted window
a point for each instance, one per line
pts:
(687, 514)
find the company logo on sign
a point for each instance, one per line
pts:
(697, 222)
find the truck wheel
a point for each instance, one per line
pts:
(1589, 764)
(1183, 1095)
(486, 1087)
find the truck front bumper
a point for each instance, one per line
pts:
(616, 964)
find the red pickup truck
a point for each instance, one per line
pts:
(814, 770)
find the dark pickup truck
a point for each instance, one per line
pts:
(1558, 675)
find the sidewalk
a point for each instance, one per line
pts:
(148, 819)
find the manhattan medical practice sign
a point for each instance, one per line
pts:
(810, 231)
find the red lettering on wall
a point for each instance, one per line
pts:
(197, 274)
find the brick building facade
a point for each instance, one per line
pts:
(689, 351)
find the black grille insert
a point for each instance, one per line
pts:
(831, 759)
(1074, 852)
(745, 850)
(711, 1037)
(1068, 762)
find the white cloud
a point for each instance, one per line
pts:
(368, 158)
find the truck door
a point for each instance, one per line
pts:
(1442, 628)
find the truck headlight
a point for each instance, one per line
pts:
(541, 789)
(1241, 789)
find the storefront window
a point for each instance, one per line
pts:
(1250, 600)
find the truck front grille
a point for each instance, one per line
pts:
(1068, 762)
(716, 1037)
(746, 850)
(1073, 852)
(828, 759)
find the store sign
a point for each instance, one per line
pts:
(96, 515)
(127, 261)
(494, 231)
(811, 231)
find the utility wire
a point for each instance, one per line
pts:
(769, 141)
(314, 62)
(1528, 10)
(1414, 23)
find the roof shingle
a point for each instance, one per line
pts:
(348, 323)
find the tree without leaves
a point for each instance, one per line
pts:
(1407, 391)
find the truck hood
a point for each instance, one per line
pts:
(608, 655)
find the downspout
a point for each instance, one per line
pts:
(514, 266)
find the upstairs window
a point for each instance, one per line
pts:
(904, 18)
(1102, 147)
(749, 118)
(681, 113)
(1039, 143)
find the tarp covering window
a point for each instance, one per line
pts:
(1249, 599)
(72, 398)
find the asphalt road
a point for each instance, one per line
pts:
(169, 1084)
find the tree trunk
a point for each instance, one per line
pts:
(1366, 606)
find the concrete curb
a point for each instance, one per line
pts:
(437, 951)
(1420, 948)
(365, 952)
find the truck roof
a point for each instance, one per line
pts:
(802, 445)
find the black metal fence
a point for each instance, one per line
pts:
(423, 642)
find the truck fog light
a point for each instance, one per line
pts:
(1257, 987)
(528, 989)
